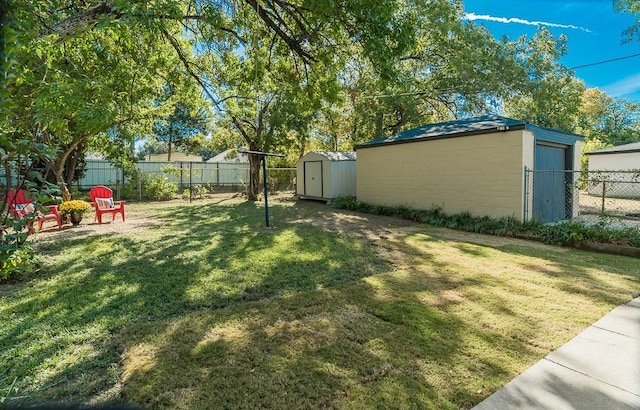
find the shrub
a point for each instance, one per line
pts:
(16, 261)
(558, 233)
(159, 188)
(346, 202)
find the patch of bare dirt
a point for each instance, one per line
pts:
(136, 221)
(369, 226)
(372, 227)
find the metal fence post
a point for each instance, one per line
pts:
(526, 193)
(139, 185)
(190, 181)
(604, 190)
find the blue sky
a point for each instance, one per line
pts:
(594, 34)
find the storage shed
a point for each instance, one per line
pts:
(478, 165)
(326, 175)
(625, 161)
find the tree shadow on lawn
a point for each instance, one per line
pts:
(59, 334)
(311, 350)
(428, 335)
(439, 333)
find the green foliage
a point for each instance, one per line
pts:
(197, 192)
(16, 257)
(559, 233)
(350, 203)
(606, 121)
(551, 96)
(159, 188)
(631, 7)
(186, 122)
(171, 170)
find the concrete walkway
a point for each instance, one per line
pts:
(598, 369)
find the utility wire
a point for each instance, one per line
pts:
(604, 62)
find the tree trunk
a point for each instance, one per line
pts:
(64, 189)
(254, 173)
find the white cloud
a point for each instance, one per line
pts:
(473, 16)
(626, 86)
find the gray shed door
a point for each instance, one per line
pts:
(313, 178)
(549, 187)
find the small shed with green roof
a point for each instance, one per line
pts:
(477, 165)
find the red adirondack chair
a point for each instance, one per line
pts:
(20, 206)
(102, 201)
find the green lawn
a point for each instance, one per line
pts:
(199, 306)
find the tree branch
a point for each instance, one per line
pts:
(86, 18)
(181, 55)
(290, 41)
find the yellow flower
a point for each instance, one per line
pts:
(73, 206)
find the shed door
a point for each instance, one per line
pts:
(549, 187)
(313, 178)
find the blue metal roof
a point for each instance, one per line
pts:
(458, 128)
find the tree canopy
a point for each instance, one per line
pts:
(279, 76)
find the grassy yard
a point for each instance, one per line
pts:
(197, 306)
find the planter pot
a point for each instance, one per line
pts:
(75, 218)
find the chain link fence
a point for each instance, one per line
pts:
(587, 195)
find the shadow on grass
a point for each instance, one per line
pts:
(186, 308)
(200, 258)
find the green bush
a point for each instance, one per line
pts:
(16, 259)
(197, 192)
(558, 233)
(346, 202)
(159, 188)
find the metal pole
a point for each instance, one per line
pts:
(526, 193)
(264, 184)
(604, 189)
(139, 185)
(190, 181)
(264, 156)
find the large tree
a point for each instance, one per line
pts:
(100, 50)
(271, 68)
(608, 120)
(629, 7)
(186, 122)
(552, 95)
(94, 90)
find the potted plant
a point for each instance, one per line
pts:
(74, 210)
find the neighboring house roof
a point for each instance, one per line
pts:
(337, 155)
(485, 124)
(94, 156)
(620, 149)
(176, 156)
(230, 156)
